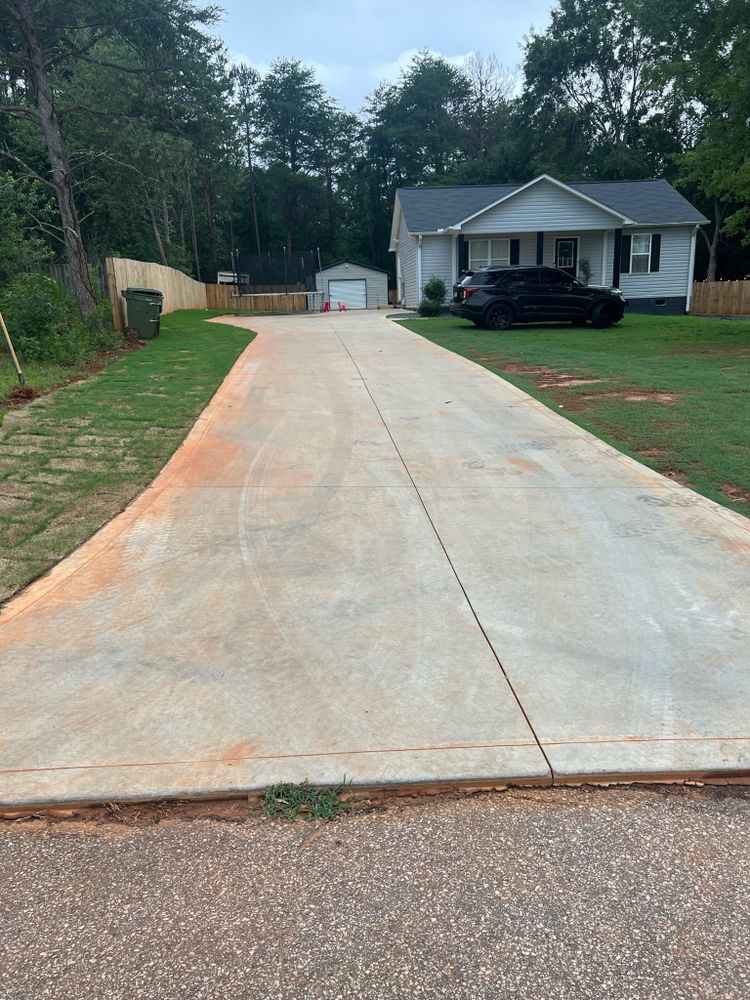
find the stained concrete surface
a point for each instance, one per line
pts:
(372, 557)
(559, 894)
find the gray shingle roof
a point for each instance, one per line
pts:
(652, 202)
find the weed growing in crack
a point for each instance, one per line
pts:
(287, 801)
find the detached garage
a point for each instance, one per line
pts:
(356, 286)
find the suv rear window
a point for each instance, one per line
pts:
(483, 278)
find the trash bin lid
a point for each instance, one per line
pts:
(136, 291)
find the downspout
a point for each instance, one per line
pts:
(419, 269)
(691, 271)
(399, 290)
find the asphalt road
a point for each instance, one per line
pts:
(572, 893)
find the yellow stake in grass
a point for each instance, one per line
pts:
(9, 342)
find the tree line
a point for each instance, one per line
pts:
(125, 130)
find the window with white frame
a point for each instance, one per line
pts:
(640, 253)
(488, 253)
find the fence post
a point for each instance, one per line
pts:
(118, 321)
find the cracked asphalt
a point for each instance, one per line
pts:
(638, 892)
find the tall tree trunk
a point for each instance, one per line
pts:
(331, 207)
(155, 228)
(193, 231)
(713, 243)
(62, 181)
(165, 212)
(181, 224)
(251, 174)
(208, 198)
(290, 213)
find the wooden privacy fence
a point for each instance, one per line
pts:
(721, 298)
(225, 297)
(182, 292)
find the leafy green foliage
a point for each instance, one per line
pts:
(429, 307)
(435, 289)
(21, 201)
(46, 326)
(595, 64)
(288, 801)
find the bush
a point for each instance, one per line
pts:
(429, 307)
(435, 290)
(45, 324)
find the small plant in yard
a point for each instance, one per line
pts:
(287, 801)
(433, 296)
(584, 269)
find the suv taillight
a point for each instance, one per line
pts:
(468, 292)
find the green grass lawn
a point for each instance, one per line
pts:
(674, 391)
(73, 459)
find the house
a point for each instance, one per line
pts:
(356, 286)
(636, 235)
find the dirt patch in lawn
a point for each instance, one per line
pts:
(735, 492)
(544, 378)
(550, 379)
(20, 395)
(584, 399)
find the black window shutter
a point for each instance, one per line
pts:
(463, 255)
(515, 251)
(625, 254)
(655, 252)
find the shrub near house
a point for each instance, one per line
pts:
(433, 297)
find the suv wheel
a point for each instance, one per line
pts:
(603, 316)
(499, 316)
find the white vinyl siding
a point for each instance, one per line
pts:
(541, 207)
(488, 253)
(407, 253)
(438, 262)
(640, 253)
(590, 248)
(672, 277)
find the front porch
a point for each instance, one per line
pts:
(585, 254)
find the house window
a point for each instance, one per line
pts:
(488, 253)
(640, 253)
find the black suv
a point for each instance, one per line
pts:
(496, 297)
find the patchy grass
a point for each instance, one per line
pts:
(289, 801)
(672, 391)
(73, 459)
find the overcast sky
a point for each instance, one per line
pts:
(354, 44)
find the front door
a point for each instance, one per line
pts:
(566, 254)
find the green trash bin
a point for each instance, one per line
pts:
(144, 310)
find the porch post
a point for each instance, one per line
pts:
(616, 261)
(540, 248)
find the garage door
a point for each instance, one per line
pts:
(350, 292)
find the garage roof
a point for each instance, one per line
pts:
(652, 202)
(354, 263)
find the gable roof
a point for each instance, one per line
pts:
(354, 263)
(650, 202)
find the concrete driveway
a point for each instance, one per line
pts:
(372, 557)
